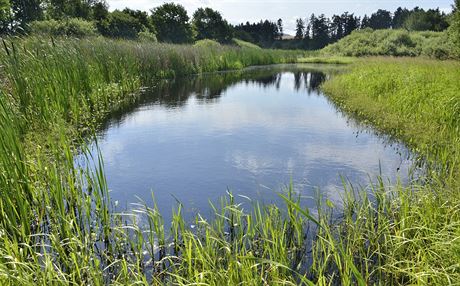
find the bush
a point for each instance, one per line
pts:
(145, 36)
(73, 27)
(396, 43)
(207, 44)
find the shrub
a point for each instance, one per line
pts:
(207, 44)
(368, 42)
(145, 36)
(73, 27)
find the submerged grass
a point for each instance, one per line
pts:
(58, 225)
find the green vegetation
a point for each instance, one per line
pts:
(72, 27)
(244, 44)
(454, 30)
(209, 24)
(207, 43)
(393, 43)
(415, 100)
(327, 60)
(172, 23)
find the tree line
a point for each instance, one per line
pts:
(319, 31)
(167, 23)
(171, 23)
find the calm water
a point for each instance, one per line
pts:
(249, 132)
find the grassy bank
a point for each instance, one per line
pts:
(414, 100)
(417, 234)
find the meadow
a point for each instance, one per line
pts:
(59, 226)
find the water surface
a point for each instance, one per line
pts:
(250, 132)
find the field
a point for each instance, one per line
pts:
(59, 226)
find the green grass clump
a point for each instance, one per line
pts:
(370, 42)
(207, 44)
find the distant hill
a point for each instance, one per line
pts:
(287, 37)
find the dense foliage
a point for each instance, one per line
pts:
(172, 23)
(454, 30)
(320, 31)
(209, 24)
(393, 43)
(71, 27)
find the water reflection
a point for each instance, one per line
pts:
(209, 88)
(249, 131)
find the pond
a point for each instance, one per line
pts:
(250, 132)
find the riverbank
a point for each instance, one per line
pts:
(414, 236)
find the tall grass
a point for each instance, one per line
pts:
(414, 100)
(415, 234)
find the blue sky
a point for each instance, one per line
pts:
(237, 11)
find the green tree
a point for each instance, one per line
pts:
(365, 22)
(454, 29)
(300, 29)
(100, 11)
(431, 20)
(142, 17)
(400, 16)
(319, 31)
(350, 23)
(279, 23)
(85, 9)
(26, 11)
(209, 24)
(337, 27)
(380, 20)
(5, 16)
(172, 23)
(121, 25)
